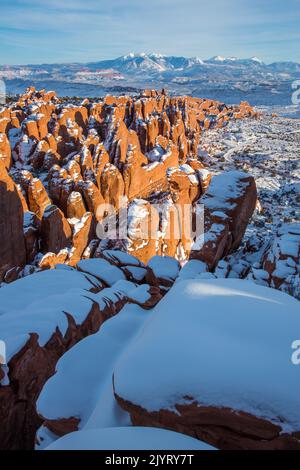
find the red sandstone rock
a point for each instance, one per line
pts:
(19, 419)
(82, 231)
(92, 198)
(121, 146)
(37, 197)
(50, 260)
(37, 159)
(75, 206)
(228, 205)
(241, 432)
(112, 186)
(55, 230)
(5, 151)
(12, 246)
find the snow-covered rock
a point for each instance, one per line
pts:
(127, 438)
(82, 386)
(41, 317)
(228, 204)
(214, 360)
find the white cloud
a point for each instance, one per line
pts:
(95, 29)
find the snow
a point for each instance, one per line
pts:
(268, 149)
(164, 267)
(121, 257)
(38, 287)
(140, 293)
(256, 59)
(128, 438)
(102, 269)
(229, 345)
(28, 220)
(37, 304)
(190, 172)
(156, 154)
(223, 188)
(191, 269)
(82, 385)
(137, 273)
(203, 174)
(75, 197)
(289, 241)
(138, 212)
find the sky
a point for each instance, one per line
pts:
(47, 31)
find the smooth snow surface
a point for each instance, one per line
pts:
(128, 438)
(224, 342)
(102, 269)
(36, 304)
(164, 267)
(82, 385)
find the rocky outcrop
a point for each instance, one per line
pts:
(67, 169)
(228, 205)
(12, 246)
(143, 225)
(223, 428)
(82, 234)
(17, 399)
(282, 260)
(5, 150)
(101, 157)
(37, 197)
(55, 230)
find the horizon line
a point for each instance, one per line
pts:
(141, 54)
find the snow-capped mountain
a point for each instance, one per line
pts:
(235, 61)
(148, 62)
(228, 79)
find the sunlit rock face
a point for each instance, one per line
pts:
(73, 164)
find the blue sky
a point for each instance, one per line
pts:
(37, 31)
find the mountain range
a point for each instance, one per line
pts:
(224, 78)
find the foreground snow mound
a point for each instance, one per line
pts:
(37, 304)
(82, 386)
(216, 354)
(128, 438)
(43, 316)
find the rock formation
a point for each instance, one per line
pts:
(12, 251)
(116, 205)
(121, 152)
